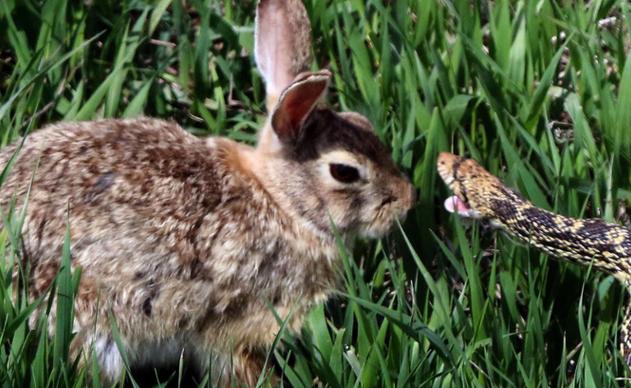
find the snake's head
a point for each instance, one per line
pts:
(473, 186)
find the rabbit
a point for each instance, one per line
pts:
(194, 245)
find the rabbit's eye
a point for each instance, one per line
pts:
(344, 173)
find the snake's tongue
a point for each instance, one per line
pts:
(454, 204)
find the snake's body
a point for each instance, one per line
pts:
(604, 246)
(590, 241)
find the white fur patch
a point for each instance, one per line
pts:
(109, 357)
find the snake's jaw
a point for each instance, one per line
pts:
(448, 170)
(455, 204)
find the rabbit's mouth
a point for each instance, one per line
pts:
(383, 221)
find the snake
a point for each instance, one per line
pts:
(480, 195)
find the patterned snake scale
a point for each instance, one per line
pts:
(605, 246)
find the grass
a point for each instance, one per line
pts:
(538, 92)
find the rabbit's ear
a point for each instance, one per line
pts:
(295, 104)
(282, 47)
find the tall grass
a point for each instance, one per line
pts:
(538, 92)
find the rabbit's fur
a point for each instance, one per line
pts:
(193, 245)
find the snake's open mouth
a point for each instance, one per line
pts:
(456, 205)
(448, 169)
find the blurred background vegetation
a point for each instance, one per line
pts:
(539, 92)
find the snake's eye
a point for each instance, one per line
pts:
(344, 173)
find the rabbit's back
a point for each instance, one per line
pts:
(110, 179)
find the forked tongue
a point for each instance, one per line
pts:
(454, 204)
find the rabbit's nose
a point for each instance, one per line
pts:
(414, 193)
(408, 194)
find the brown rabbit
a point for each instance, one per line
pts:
(188, 242)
